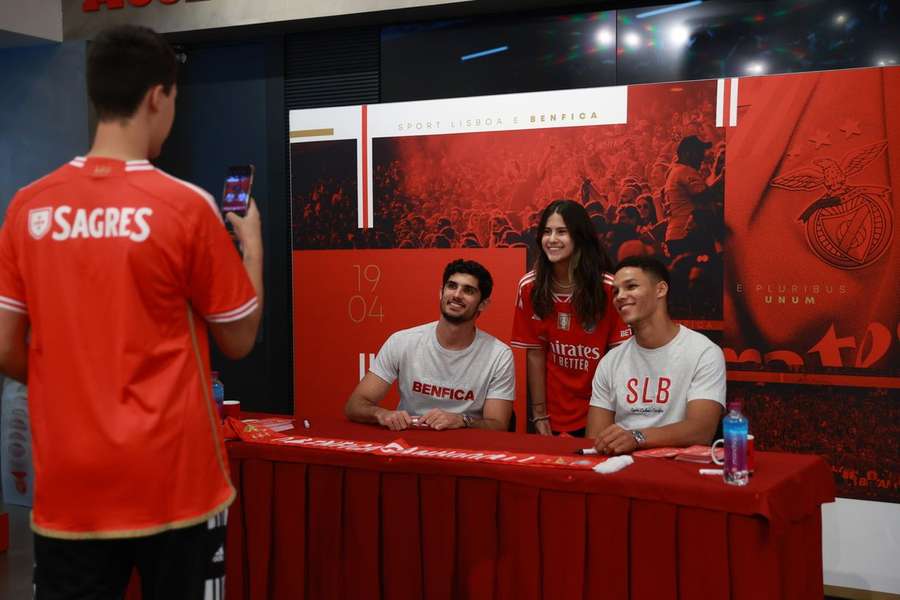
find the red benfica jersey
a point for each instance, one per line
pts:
(118, 267)
(572, 352)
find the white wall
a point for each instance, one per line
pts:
(184, 16)
(861, 545)
(37, 18)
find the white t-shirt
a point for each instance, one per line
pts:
(457, 381)
(651, 387)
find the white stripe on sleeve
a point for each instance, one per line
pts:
(236, 314)
(13, 305)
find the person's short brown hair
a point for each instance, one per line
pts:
(648, 264)
(123, 62)
(476, 270)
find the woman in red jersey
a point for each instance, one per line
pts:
(565, 318)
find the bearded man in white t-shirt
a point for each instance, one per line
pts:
(663, 387)
(449, 373)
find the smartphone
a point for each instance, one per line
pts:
(236, 193)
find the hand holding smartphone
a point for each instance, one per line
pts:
(237, 190)
(237, 199)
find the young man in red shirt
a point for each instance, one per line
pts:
(111, 274)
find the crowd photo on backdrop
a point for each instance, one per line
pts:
(663, 169)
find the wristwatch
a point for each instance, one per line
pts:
(639, 438)
(467, 420)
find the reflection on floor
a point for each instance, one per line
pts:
(16, 563)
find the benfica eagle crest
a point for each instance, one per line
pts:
(848, 226)
(39, 222)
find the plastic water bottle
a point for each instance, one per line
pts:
(735, 428)
(218, 391)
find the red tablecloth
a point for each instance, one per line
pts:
(328, 525)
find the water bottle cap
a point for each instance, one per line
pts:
(215, 374)
(734, 405)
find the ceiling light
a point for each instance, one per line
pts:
(679, 35)
(756, 68)
(605, 37)
(632, 40)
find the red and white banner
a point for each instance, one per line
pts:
(256, 432)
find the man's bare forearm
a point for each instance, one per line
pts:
(492, 424)
(361, 409)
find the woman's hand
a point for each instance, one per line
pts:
(543, 427)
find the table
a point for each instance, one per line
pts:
(318, 524)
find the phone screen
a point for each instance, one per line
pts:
(236, 195)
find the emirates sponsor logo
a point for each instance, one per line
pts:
(575, 350)
(574, 357)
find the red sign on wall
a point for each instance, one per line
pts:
(94, 5)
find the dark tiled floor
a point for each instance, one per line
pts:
(16, 563)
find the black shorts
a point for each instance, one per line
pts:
(178, 564)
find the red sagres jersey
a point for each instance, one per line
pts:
(112, 262)
(572, 352)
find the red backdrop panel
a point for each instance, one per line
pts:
(346, 304)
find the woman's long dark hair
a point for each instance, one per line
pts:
(587, 265)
